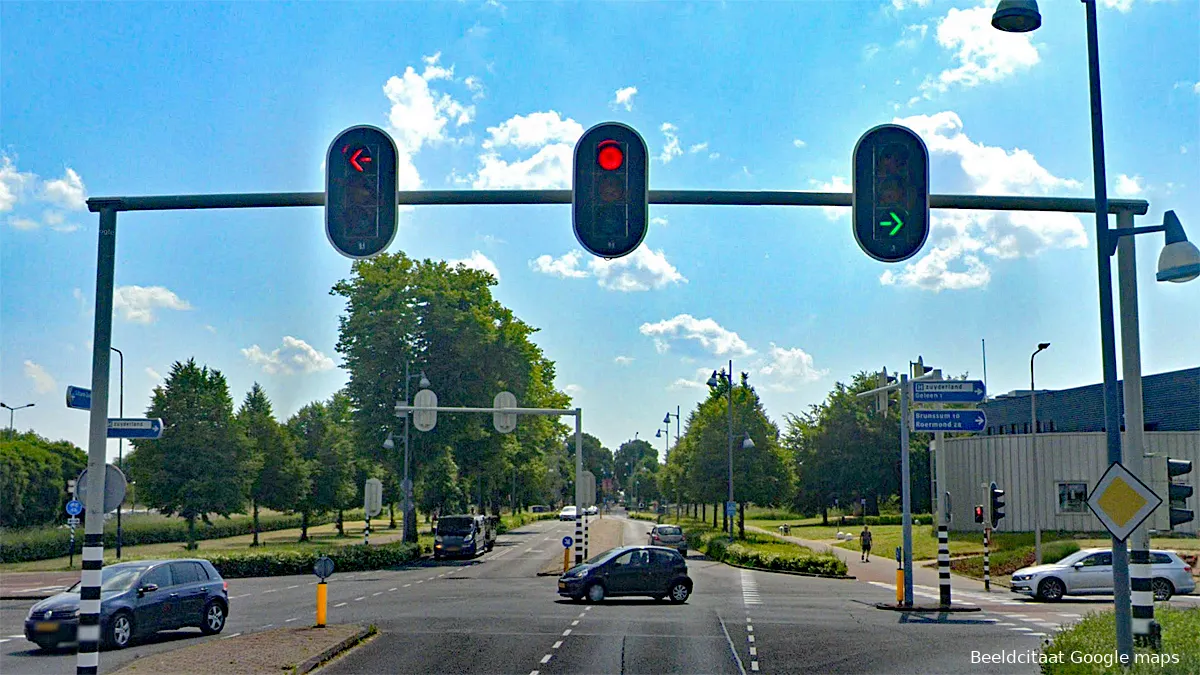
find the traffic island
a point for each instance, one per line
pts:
(932, 609)
(283, 650)
(603, 534)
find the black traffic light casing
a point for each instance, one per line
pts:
(360, 191)
(979, 513)
(610, 193)
(996, 494)
(1178, 494)
(891, 193)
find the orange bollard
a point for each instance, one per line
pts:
(566, 560)
(900, 586)
(321, 597)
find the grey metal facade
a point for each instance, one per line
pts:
(1068, 458)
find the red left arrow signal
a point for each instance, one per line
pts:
(359, 157)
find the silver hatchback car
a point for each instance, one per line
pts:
(1090, 572)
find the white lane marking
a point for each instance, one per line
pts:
(1004, 623)
(754, 651)
(393, 588)
(273, 590)
(1068, 615)
(360, 598)
(375, 594)
(557, 645)
(749, 589)
(534, 672)
(566, 632)
(754, 666)
(293, 586)
(1039, 634)
(340, 604)
(747, 619)
(230, 636)
(581, 614)
(420, 581)
(575, 622)
(1021, 628)
(546, 658)
(407, 585)
(243, 595)
(290, 620)
(749, 628)
(750, 638)
(732, 650)
(312, 583)
(267, 626)
(3, 640)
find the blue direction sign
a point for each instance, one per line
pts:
(567, 542)
(134, 428)
(957, 391)
(78, 397)
(74, 507)
(948, 420)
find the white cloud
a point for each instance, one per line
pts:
(983, 53)
(67, 192)
(684, 383)
(153, 374)
(707, 332)
(914, 34)
(624, 97)
(623, 360)
(933, 272)
(137, 303)
(478, 261)
(642, 270)
(549, 167)
(420, 115)
(43, 382)
(870, 51)
(210, 328)
(22, 223)
(699, 147)
(573, 390)
(12, 183)
(475, 87)
(294, 355)
(714, 155)
(671, 149)
(838, 184)
(799, 143)
(659, 221)
(1122, 6)
(905, 4)
(57, 221)
(1129, 186)
(789, 367)
(566, 267)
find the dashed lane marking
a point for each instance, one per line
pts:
(340, 604)
(557, 644)
(407, 585)
(754, 666)
(546, 658)
(243, 595)
(273, 590)
(230, 636)
(392, 589)
(754, 651)
(566, 632)
(575, 622)
(290, 620)
(750, 638)
(360, 598)
(749, 589)
(293, 586)
(375, 594)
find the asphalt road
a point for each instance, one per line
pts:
(494, 615)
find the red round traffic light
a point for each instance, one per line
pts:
(609, 156)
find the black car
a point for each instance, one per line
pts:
(137, 599)
(656, 571)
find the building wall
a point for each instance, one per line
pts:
(1071, 457)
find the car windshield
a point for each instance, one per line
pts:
(1075, 557)
(670, 531)
(455, 526)
(116, 579)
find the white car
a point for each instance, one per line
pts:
(591, 510)
(567, 513)
(1090, 572)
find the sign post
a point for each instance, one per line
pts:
(323, 568)
(567, 542)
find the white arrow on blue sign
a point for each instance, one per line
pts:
(74, 507)
(567, 541)
(78, 397)
(957, 391)
(134, 428)
(948, 420)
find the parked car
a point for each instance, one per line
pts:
(137, 599)
(567, 513)
(464, 535)
(1089, 572)
(592, 510)
(655, 571)
(668, 535)
(539, 508)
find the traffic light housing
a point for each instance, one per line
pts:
(979, 513)
(610, 193)
(1178, 494)
(890, 203)
(996, 494)
(360, 191)
(882, 379)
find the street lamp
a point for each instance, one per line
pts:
(410, 516)
(11, 412)
(1179, 261)
(712, 382)
(120, 443)
(1037, 478)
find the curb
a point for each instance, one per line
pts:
(926, 608)
(316, 661)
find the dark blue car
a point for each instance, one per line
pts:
(137, 599)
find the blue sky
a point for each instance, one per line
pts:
(129, 99)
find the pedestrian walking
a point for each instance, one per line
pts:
(864, 538)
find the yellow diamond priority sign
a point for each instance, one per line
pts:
(1121, 501)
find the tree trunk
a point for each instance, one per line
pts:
(254, 505)
(724, 520)
(704, 513)
(340, 525)
(392, 516)
(715, 509)
(824, 515)
(742, 520)
(191, 540)
(304, 526)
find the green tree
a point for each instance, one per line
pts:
(280, 476)
(322, 441)
(33, 477)
(199, 465)
(440, 491)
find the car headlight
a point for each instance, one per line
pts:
(1022, 577)
(76, 614)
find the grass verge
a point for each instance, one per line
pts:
(1089, 647)
(762, 552)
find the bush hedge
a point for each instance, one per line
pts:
(715, 546)
(511, 522)
(354, 558)
(43, 543)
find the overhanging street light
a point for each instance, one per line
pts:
(410, 516)
(713, 382)
(12, 430)
(1037, 478)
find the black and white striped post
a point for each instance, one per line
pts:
(585, 535)
(987, 567)
(943, 562)
(578, 487)
(1143, 598)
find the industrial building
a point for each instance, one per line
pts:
(1071, 451)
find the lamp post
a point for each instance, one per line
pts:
(1179, 261)
(410, 516)
(1037, 477)
(667, 421)
(12, 430)
(712, 382)
(120, 443)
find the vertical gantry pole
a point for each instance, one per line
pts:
(578, 486)
(943, 531)
(88, 659)
(906, 492)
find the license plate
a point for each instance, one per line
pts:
(46, 626)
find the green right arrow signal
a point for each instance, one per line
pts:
(896, 224)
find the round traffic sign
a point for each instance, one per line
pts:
(323, 568)
(74, 507)
(567, 542)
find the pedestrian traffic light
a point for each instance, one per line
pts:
(360, 191)
(890, 203)
(1178, 494)
(996, 494)
(979, 513)
(610, 192)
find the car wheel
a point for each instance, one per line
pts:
(120, 631)
(1051, 589)
(214, 618)
(1163, 589)
(679, 592)
(595, 592)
